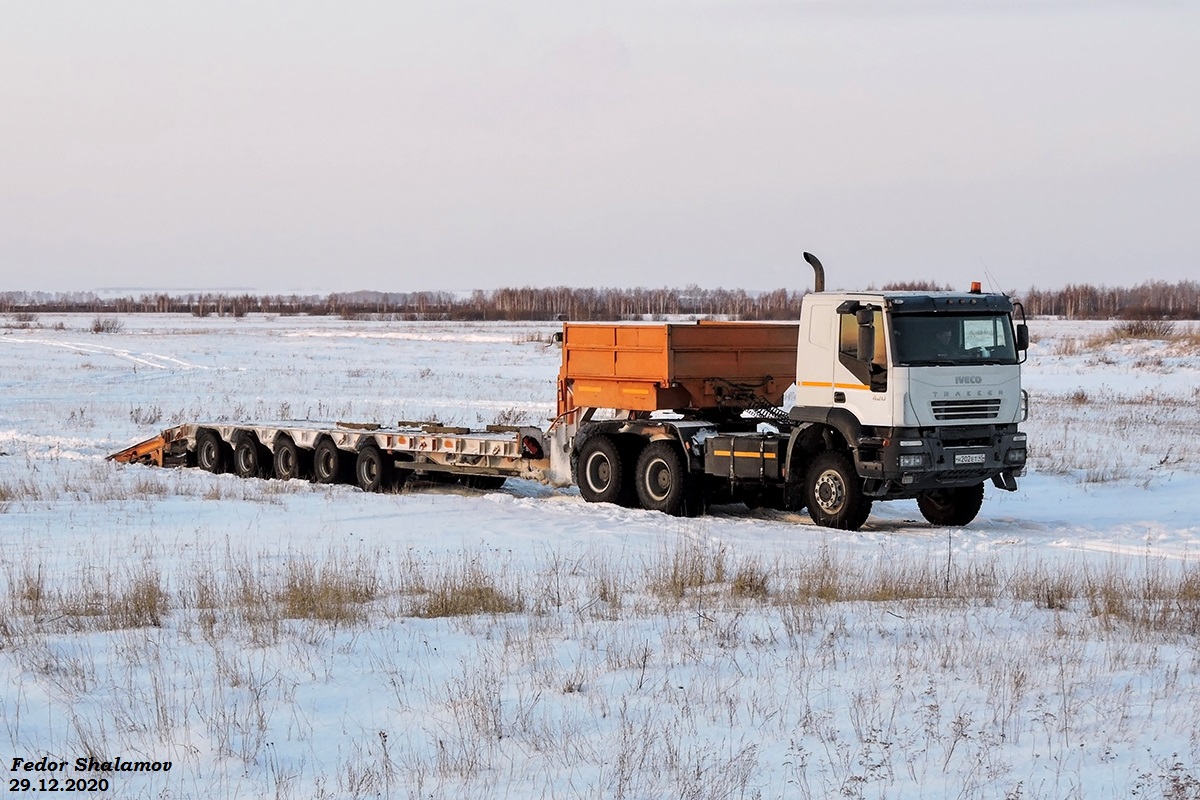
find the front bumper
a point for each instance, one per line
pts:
(905, 462)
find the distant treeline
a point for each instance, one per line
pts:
(526, 303)
(1154, 300)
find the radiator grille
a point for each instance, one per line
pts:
(950, 410)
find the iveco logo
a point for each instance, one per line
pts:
(968, 379)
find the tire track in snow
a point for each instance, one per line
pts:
(151, 360)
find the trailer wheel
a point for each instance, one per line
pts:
(601, 471)
(834, 493)
(662, 479)
(247, 460)
(287, 459)
(327, 460)
(954, 507)
(210, 452)
(373, 470)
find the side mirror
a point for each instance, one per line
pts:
(1022, 336)
(866, 339)
(866, 334)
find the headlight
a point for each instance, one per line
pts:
(913, 461)
(1015, 456)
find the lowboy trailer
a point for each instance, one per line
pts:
(898, 395)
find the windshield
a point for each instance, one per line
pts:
(925, 339)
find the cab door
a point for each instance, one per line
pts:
(860, 379)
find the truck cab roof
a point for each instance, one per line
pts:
(910, 302)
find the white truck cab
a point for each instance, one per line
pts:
(907, 394)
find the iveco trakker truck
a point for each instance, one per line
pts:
(897, 395)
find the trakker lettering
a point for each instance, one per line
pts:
(970, 393)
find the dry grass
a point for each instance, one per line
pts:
(463, 589)
(762, 647)
(751, 580)
(675, 572)
(1178, 340)
(330, 592)
(1144, 329)
(101, 482)
(94, 602)
(107, 325)
(1101, 435)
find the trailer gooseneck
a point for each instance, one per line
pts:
(898, 395)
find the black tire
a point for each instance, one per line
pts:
(287, 460)
(373, 469)
(247, 458)
(484, 483)
(951, 507)
(663, 480)
(833, 493)
(601, 471)
(210, 452)
(327, 462)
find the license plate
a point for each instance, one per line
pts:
(970, 458)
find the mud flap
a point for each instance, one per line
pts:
(1005, 481)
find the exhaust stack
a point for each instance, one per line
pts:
(818, 272)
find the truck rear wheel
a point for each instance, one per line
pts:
(662, 479)
(951, 507)
(327, 462)
(834, 493)
(373, 470)
(601, 471)
(210, 452)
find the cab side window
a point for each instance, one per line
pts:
(848, 339)
(875, 373)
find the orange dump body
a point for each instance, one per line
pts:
(705, 365)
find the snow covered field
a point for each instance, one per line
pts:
(283, 639)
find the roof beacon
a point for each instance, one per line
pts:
(976, 288)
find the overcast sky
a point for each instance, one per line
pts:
(459, 145)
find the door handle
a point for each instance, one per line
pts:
(839, 397)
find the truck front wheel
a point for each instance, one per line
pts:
(834, 493)
(662, 479)
(952, 507)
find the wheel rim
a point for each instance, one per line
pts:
(208, 454)
(325, 463)
(287, 462)
(658, 479)
(369, 472)
(830, 491)
(598, 471)
(245, 460)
